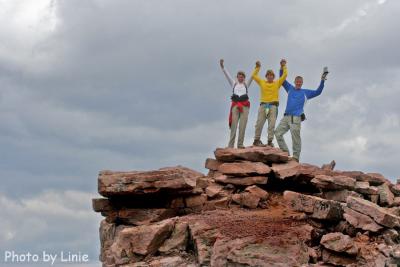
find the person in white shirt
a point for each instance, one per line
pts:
(240, 105)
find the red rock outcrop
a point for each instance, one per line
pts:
(255, 207)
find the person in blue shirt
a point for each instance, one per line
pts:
(294, 113)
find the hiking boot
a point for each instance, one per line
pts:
(270, 144)
(258, 143)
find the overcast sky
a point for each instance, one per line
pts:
(136, 85)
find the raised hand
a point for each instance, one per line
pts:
(221, 63)
(324, 74)
(283, 62)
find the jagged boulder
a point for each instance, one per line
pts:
(337, 259)
(213, 190)
(257, 191)
(379, 214)
(339, 242)
(361, 221)
(395, 189)
(316, 207)
(178, 240)
(330, 166)
(204, 237)
(133, 243)
(246, 199)
(386, 197)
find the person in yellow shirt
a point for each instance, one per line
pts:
(269, 101)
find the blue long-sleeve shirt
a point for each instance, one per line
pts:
(297, 97)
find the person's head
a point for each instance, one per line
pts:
(270, 75)
(241, 76)
(298, 82)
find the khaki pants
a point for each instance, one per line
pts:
(294, 125)
(262, 117)
(238, 118)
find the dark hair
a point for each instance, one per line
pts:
(298, 77)
(241, 73)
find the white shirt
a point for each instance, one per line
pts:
(240, 88)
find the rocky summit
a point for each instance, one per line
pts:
(255, 207)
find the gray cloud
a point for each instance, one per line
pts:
(53, 221)
(91, 85)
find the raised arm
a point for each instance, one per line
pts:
(254, 75)
(313, 93)
(282, 77)
(285, 83)
(226, 73)
(249, 81)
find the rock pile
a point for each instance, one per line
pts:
(255, 207)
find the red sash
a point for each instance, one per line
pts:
(239, 105)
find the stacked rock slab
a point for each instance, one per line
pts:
(255, 207)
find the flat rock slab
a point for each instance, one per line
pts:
(288, 169)
(244, 168)
(339, 242)
(361, 221)
(212, 164)
(340, 195)
(172, 179)
(257, 154)
(299, 172)
(365, 188)
(379, 214)
(102, 205)
(326, 182)
(140, 216)
(372, 178)
(316, 207)
(252, 180)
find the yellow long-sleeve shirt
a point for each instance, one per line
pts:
(269, 92)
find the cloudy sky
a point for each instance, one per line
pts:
(135, 85)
